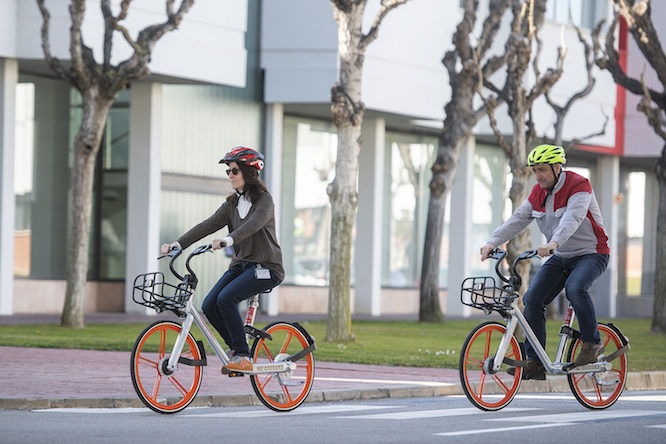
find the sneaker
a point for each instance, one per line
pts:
(238, 364)
(533, 370)
(588, 354)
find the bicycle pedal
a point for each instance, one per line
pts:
(234, 374)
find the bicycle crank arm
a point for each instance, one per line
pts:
(590, 368)
(619, 352)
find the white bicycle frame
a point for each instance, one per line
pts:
(194, 316)
(516, 318)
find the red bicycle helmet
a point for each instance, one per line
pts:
(245, 155)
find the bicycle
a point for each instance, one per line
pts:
(167, 362)
(492, 345)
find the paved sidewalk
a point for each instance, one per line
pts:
(48, 378)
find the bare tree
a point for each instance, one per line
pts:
(347, 111)
(528, 16)
(467, 64)
(638, 16)
(561, 111)
(99, 85)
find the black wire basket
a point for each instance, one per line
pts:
(152, 291)
(482, 293)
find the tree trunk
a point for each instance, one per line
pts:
(86, 147)
(344, 198)
(347, 112)
(659, 306)
(444, 171)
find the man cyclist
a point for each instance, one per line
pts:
(567, 213)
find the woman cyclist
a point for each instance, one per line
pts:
(256, 266)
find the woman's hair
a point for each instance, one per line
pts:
(253, 185)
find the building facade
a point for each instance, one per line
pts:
(259, 73)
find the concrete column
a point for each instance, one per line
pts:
(460, 234)
(604, 290)
(8, 82)
(273, 179)
(368, 253)
(143, 185)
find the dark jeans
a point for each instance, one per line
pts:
(575, 275)
(221, 304)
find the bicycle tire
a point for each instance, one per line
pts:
(283, 392)
(480, 387)
(159, 392)
(585, 387)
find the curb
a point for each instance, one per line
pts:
(642, 381)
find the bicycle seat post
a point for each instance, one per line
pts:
(252, 310)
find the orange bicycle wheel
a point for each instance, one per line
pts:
(283, 391)
(485, 390)
(159, 391)
(600, 391)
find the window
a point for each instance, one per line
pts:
(310, 149)
(583, 13)
(407, 177)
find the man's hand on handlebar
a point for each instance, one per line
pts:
(548, 249)
(485, 251)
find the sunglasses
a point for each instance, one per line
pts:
(233, 171)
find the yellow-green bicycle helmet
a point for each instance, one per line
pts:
(546, 154)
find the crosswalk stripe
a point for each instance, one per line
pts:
(504, 429)
(440, 413)
(657, 426)
(389, 381)
(303, 410)
(594, 415)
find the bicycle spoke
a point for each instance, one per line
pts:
(500, 384)
(147, 362)
(162, 349)
(156, 386)
(475, 362)
(177, 385)
(286, 342)
(269, 355)
(486, 350)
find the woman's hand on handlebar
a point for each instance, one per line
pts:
(165, 248)
(548, 249)
(485, 251)
(218, 244)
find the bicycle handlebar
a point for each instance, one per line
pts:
(175, 252)
(514, 279)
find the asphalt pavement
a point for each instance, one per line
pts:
(33, 378)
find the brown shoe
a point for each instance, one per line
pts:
(588, 354)
(238, 364)
(533, 370)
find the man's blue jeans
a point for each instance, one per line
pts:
(575, 275)
(221, 304)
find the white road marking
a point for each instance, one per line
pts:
(583, 416)
(95, 411)
(505, 429)
(649, 398)
(440, 413)
(307, 410)
(389, 381)
(659, 426)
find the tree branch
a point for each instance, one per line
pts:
(610, 61)
(386, 6)
(53, 62)
(78, 69)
